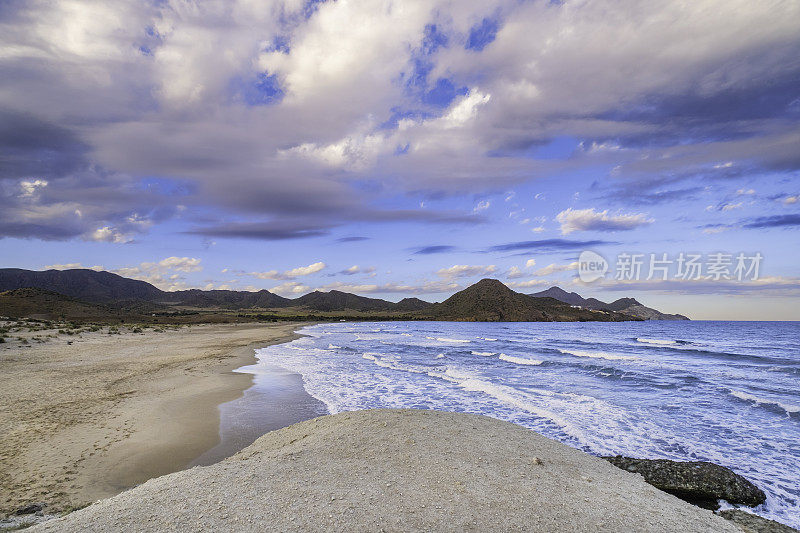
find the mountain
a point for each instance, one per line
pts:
(226, 299)
(87, 285)
(99, 287)
(411, 304)
(341, 301)
(628, 306)
(489, 300)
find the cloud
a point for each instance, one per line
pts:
(767, 286)
(465, 271)
(352, 239)
(554, 269)
(70, 266)
(528, 283)
(427, 287)
(516, 272)
(274, 111)
(774, 221)
(355, 269)
(292, 273)
(434, 249)
(483, 205)
(573, 220)
(290, 289)
(548, 245)
(166, 274)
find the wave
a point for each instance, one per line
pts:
(487, 339)
(484, 354)
(520, 360)
(789, 409)
(445, 339)
(332, 347)
(660, 342)
(599, 355)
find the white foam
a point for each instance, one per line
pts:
(445, 339)
(332, 347)
(487, 339)
(663, 342)
(599, 355)
(520, 360)
(484, 354)
(789, 408)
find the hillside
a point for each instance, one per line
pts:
(48, 305)
(628, 306)
(489, 300)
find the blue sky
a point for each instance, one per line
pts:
(404, 148)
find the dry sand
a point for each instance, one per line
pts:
(85, 421)
(398, 470)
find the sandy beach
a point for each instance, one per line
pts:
(398, 470)
(85, 417)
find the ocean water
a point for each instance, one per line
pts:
(726, 392)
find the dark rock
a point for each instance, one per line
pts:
(751, 523)
(31, 508)
(698, 482)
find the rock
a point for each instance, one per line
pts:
(697, 482)
(31, 508)
(751, 523)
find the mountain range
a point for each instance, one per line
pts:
(486, 300)
(628, 306)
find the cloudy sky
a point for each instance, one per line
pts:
(397, 148)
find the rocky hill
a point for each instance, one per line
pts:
(628, 306)
(489, 300)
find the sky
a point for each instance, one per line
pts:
(409, 148)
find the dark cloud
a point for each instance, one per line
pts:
(268, 231)
(434, 249)
(352, 239)
(31, 147)
(775, 221)
(548, 245)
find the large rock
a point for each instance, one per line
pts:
(698, 482)
(751, 523)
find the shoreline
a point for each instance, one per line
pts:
(117, 411)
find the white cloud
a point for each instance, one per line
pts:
(109, 234)
(29, 188)
(69, 266)
(355, 269)
(465, 271)
(572, 220)
(789, 200)
(292, 273)
(290, 288)
(528, 283)
(742, 192)
(166, 274)
(554, 269)
(483, 205)
(530, 263)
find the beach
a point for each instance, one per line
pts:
(398, 470)
(87, 416)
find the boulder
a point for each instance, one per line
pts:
(751, 523)
(697, 482)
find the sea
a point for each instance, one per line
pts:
(725, 392)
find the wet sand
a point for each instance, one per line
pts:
(86, 420)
